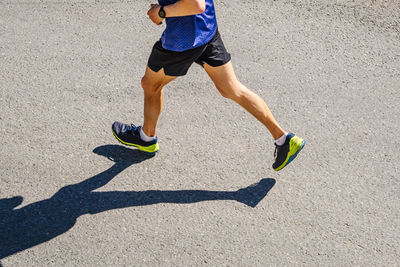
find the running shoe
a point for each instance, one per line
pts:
(288, 151)
(130, 135)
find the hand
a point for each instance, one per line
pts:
(153, 14)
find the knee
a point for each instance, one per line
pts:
(230, 90)
(150, 87)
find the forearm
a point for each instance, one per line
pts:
(185, 8)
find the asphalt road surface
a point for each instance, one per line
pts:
(70, 195)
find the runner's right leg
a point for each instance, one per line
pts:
(152, 84)
(132, 135)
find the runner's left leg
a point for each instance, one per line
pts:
(230, 87)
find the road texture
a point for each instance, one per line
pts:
(70, 195)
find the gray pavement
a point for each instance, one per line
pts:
(70, 195)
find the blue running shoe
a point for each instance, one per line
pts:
(288, 151)
(130, 135)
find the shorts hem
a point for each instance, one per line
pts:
(167, 72)
(153, 68)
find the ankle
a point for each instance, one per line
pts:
(145, 137)
(281, 140)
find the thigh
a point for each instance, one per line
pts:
(152, 79)
(224, 76)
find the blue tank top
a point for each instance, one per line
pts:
(184, 33)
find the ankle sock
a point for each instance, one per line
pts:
(144, 137)
(281, 140)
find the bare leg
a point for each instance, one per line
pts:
(230, 87)
(152, 84)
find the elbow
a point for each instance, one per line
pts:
(194, 7)
(200, 6)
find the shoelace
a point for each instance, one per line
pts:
(276, 151)
(130, 128)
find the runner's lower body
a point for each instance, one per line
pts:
(164, 66)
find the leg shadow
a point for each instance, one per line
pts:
(25, 227)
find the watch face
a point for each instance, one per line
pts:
(161, 13)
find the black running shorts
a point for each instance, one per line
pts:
(178, 63)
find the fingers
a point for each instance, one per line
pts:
(152, 7)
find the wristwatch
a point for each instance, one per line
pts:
(161, 12)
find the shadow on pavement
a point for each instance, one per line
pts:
(41, 221)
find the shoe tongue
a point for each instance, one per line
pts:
(129, 128)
